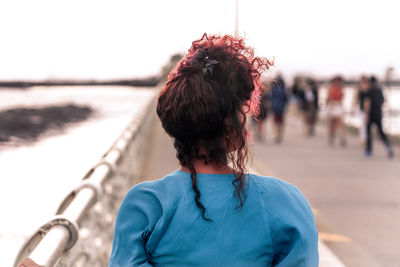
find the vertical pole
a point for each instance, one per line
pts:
(237, 19)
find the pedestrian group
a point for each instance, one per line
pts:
(368, 103)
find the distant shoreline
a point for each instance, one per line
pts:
(143, 82)
(140, 82)
(394, 83)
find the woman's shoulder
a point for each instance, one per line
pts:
(277, 193)
(159, 188)
(284, 202)
(290, 220)
(273, 185)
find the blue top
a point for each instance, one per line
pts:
(159, 224)
(279, 98)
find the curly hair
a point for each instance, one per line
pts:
(204, 102)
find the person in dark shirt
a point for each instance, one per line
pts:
(279, 101)
(373, 106)
(311, 105)
(306, 93)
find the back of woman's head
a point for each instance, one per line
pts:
(204, 103)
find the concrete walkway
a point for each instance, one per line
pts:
(355, 199)
(162, 161)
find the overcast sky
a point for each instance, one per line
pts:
(120, 39)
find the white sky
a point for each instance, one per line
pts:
(121, 39)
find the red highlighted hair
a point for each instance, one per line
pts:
(204, 102)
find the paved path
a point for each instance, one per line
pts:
(356, 199)
(162, 161)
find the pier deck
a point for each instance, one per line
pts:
(355, 199)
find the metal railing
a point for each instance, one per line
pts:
(80, 233)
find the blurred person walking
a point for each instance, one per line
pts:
(297, 92)
(258, 121)
(311, 105)
(335, 111)
(299, 95)
(279, 100)
(306, 93)
(373, 106)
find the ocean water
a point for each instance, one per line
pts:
(36, 177)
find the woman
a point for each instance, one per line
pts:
(279, 101)
(335, 111)
(210, 212)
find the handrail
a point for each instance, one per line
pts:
(51, 240)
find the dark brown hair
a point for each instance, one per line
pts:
(204, 102)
